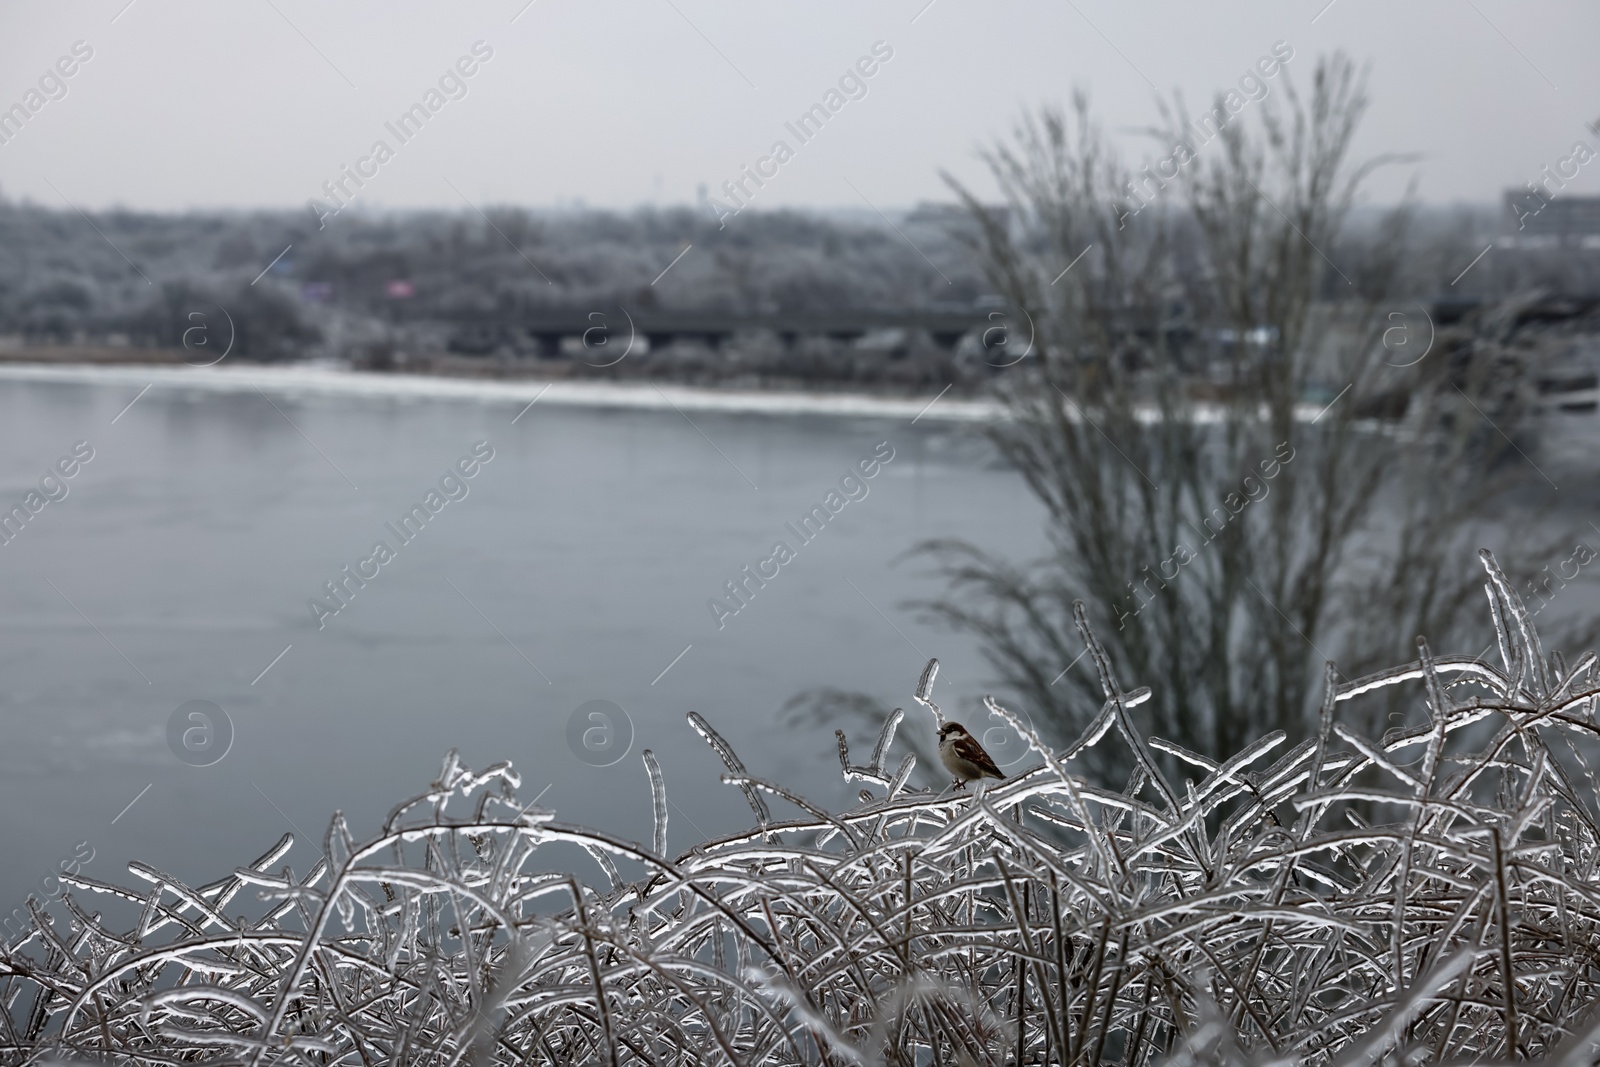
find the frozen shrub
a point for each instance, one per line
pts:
(1429, 895)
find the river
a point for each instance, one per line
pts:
(575, 565)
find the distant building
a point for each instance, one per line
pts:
(1535, 219)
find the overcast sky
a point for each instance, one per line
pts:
(259, 102)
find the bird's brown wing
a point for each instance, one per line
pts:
(972, 752)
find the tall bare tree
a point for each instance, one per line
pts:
(1213, 420)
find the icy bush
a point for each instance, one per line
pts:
(1425, 896)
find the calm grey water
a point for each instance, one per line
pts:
(577, 567)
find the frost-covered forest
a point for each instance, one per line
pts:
(129, 276)
(381, 289)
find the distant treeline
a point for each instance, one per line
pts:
(368, 281)
(435, 289)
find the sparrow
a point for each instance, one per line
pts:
(963, 757)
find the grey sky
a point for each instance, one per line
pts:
(250, 102)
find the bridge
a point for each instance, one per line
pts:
(543, 330)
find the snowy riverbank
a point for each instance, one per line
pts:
(311, 380)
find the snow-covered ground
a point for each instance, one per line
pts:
(321, 380)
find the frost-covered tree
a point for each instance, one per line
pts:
(1234, 447)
